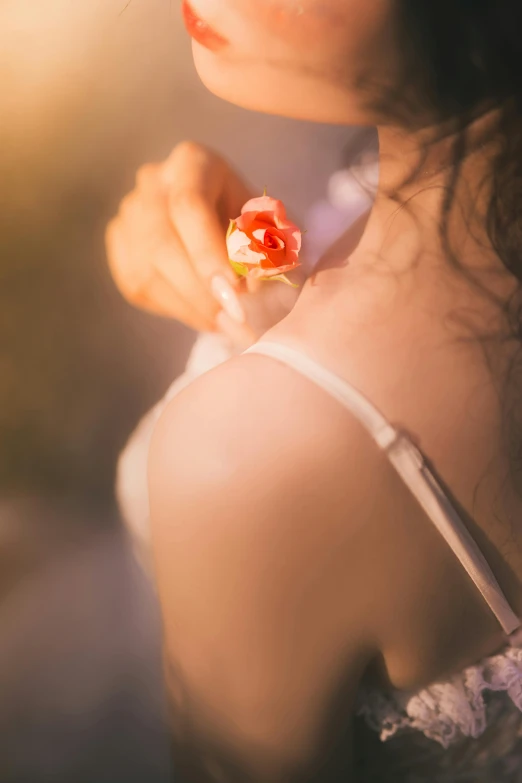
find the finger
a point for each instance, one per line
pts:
(171, 262)
(160, 299)
(193, 168)
(202, 171)
(201, 185)
(203, 195)
(148, 179)
(129, 278)
(157, 252)
(199, 227)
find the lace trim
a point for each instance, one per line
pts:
(447, 711)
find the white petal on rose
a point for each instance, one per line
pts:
(235, 242)
(259, 234)
(248, 256)
(238, 246)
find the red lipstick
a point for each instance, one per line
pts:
(200, 31)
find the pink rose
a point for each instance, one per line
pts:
(262, 243)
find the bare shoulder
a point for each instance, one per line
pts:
(259, 489)
(292, 492)
(255, 414)
(281, 463)
(294, 466)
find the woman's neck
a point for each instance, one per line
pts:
(424, 158)
(416, 174)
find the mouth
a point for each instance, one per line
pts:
(200, 31)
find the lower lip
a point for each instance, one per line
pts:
(200, 31)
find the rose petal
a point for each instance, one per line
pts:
(259, 272)
(273, 257)
(241, 251)
(284, 224)
(264, 239)
(293, 239)
(266, 204)
(259, 234)
(250, 256)
(235, 241)
(249, 221)
(263, 236)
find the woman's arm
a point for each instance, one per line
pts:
(209, 351)
(256, 521)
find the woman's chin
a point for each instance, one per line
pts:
(250, 86)
(225, 80)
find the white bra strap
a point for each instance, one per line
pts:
(374, 422)
(410, 464)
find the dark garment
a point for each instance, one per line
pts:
(496, 757)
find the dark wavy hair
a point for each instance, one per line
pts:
(459, 59)
(462, 59)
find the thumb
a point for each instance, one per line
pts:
(199, 228)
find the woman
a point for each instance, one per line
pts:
(314, 562)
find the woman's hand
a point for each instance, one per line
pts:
(167, 251)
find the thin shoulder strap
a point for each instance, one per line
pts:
(410, 464)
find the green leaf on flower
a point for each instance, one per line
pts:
(240, 269)
(231, 227)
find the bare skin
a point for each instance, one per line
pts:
(331, 513)
(290, 559)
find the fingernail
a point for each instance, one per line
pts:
(228, 299)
